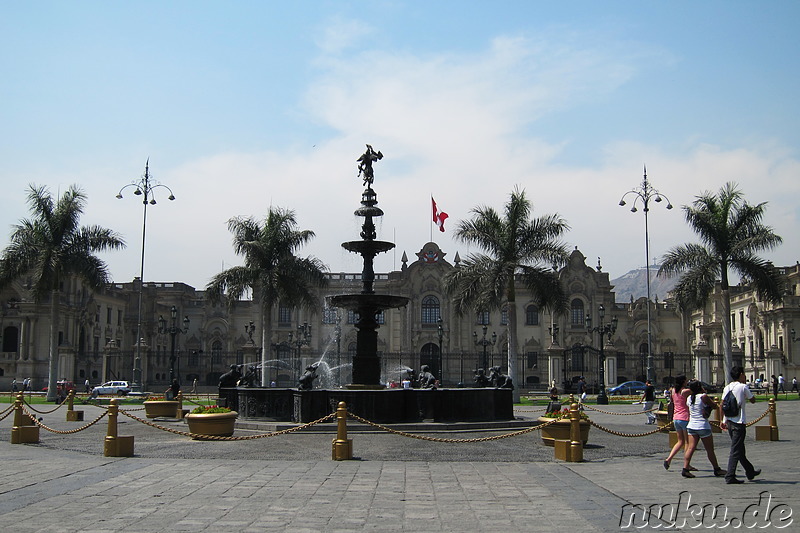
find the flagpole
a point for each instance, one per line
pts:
(430, 219)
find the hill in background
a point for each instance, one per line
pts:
(634, 283)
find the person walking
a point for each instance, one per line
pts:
(648, 399)
(14, 387)
(680, 418)
(87, 385)
(774, 387)
(794, 385)
(737, 427)
(699, 429)
(781, 383)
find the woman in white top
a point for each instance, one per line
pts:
(699, 428)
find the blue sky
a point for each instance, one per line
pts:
(242, 105)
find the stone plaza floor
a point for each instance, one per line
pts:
(289, 482)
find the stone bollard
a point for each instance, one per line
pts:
(114, 445)
(769, 432)
(24, 430)
(571, 450)
(179, 409)
(341, 447)
(72, 414)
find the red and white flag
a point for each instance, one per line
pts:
(438, 216)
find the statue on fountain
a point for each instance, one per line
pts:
(249, 379)
(426, 379)
(230, 378)
(365, 165)
(500, 380)
(306, 381)
(480, 378)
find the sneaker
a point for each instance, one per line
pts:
(686, 473)
(666, 465)
(718, 472)
(755, 473)
(734, 481)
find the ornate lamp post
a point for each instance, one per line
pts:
(144, 187)
(303, 339)
(173, 331)
(644, 193)
(485, 343)
(605, 330)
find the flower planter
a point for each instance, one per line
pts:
(160, 409)
(213, 424)
(560, 430)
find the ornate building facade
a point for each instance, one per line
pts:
(98, 333)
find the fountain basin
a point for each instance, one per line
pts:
(388, 406)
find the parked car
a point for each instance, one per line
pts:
(120, 388)
(629, 388)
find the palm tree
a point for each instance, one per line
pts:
(517, 248)
(271, 270)
(51, 247)
(731, 233)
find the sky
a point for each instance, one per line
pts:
(239, 106)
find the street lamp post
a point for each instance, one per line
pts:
(485, 343)
(144, 187)
(303, 339)
(605, 330)
(644, 193)
(173, 331)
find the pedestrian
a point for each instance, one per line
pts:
(648, 399)
(781, 383)
(172, 391)
(26, 383)
(194, 386)
(14, 385)
(699, 429)
(774, 387)
(582, 388)
(680, 418)
(737, 427)
(794, 385)
(87, 385)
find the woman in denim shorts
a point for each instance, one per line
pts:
(680, 418)
(699, 428)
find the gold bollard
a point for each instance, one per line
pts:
(179, 409)
(769, 432)
(341, 446)
(716, 415)
(571, 450)
(114, 445)
(24, 430)
(72, 415)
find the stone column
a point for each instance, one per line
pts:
(555, 365)
(702, 362)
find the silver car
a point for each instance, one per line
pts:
(120, 388)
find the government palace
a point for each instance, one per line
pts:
(97, 333)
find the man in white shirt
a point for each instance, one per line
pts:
(736, 426)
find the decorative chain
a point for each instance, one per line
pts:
(198, 436)
(439, 439)
(43, 412)
(7, 412)
(69, 432)
(759, 419)
(619, 414)
(620, 434)
(523, 410)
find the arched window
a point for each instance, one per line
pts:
(10, 339)
(216, 352)
(577, 312)
(351, 349)
(429, 355)
(482, 318)
(504, 316)
(531, 315)
(430, 310)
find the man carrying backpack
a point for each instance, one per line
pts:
(734, 421)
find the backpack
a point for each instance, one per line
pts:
(730, 407)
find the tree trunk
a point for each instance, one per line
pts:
(727, 348)
(52, 371)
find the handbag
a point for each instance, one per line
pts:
(708, 408)
(670, 409)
